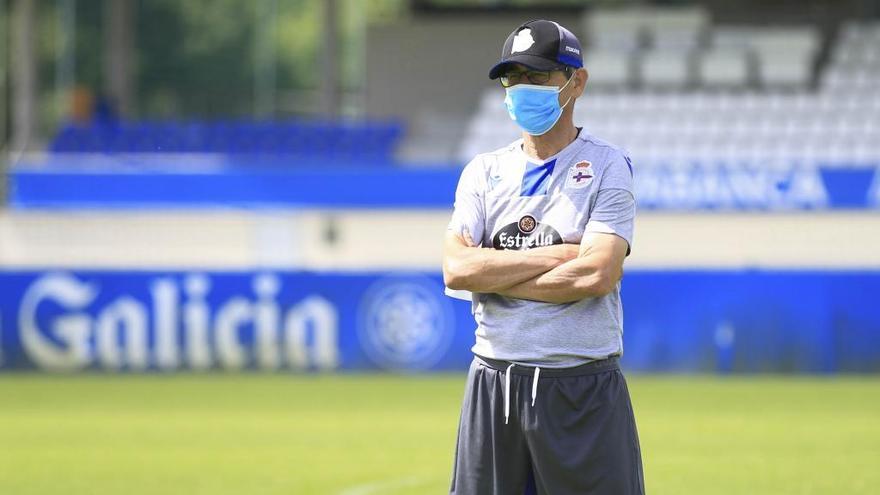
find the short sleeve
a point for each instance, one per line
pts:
(469, 213)
(615, 208)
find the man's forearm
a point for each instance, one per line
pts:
(571, 281)
(490, 270)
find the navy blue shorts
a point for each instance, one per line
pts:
(571, 431)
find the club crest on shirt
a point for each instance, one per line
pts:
(525, 233)
(580, 175)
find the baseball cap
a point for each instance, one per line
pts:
(539, 45)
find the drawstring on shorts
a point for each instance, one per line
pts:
(507, 390)
(507, 393)
(535, 385)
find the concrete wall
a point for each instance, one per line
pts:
(388, 240)
(439, 65)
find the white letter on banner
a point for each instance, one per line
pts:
(229, 318)
(195, 320)
(128, 317)
(165, 316)
(807, 190)
(318, 313)
(750, 188)
(266, 321)
(72, 330)
(716, 189)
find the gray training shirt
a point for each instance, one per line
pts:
(508, 200)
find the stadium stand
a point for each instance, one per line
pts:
(648, 46)
(666, 42)
(728, 118)
(611, 69)
(621, 31)
(854, 65)
(666, 69)
(721, 67)
(665, 83)
(785, 55)
(680, 28)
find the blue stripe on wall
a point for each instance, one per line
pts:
(63, 184)
(328, 187)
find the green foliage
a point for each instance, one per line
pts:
(196, 58)
(298, 30)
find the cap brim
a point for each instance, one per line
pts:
(533, 62)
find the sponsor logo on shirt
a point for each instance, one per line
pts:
(526, 233)
(527, 224)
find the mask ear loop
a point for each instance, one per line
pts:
(563, 87)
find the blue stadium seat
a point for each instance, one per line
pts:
(367, 142)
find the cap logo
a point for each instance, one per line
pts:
(522, 41)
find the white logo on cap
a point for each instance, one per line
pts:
(522, 41)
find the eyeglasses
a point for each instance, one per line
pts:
(512, 78)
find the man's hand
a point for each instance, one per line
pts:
(468, 240)
(468, 267)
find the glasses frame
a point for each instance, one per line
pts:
(569, 71)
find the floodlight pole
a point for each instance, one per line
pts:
(356, 51)
(65, 60)
(24, 75)
(265, 59)
(329, 61)
(4, 102)
(4, 90)
(118, 53)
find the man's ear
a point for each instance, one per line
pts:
(582, 76)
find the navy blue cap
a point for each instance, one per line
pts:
(539, 45)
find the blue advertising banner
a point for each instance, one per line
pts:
(303, 321)
(749, 187)
(166, 321)
(696, 186)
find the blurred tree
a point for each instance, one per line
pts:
(195, 57)
(4, 75)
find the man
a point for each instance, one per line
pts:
(539, 235)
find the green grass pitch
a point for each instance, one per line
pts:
(385, 434)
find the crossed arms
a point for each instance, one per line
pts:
(561, 273)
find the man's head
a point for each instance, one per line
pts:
(542, 53)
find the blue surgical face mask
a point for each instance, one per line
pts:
(535, 108)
